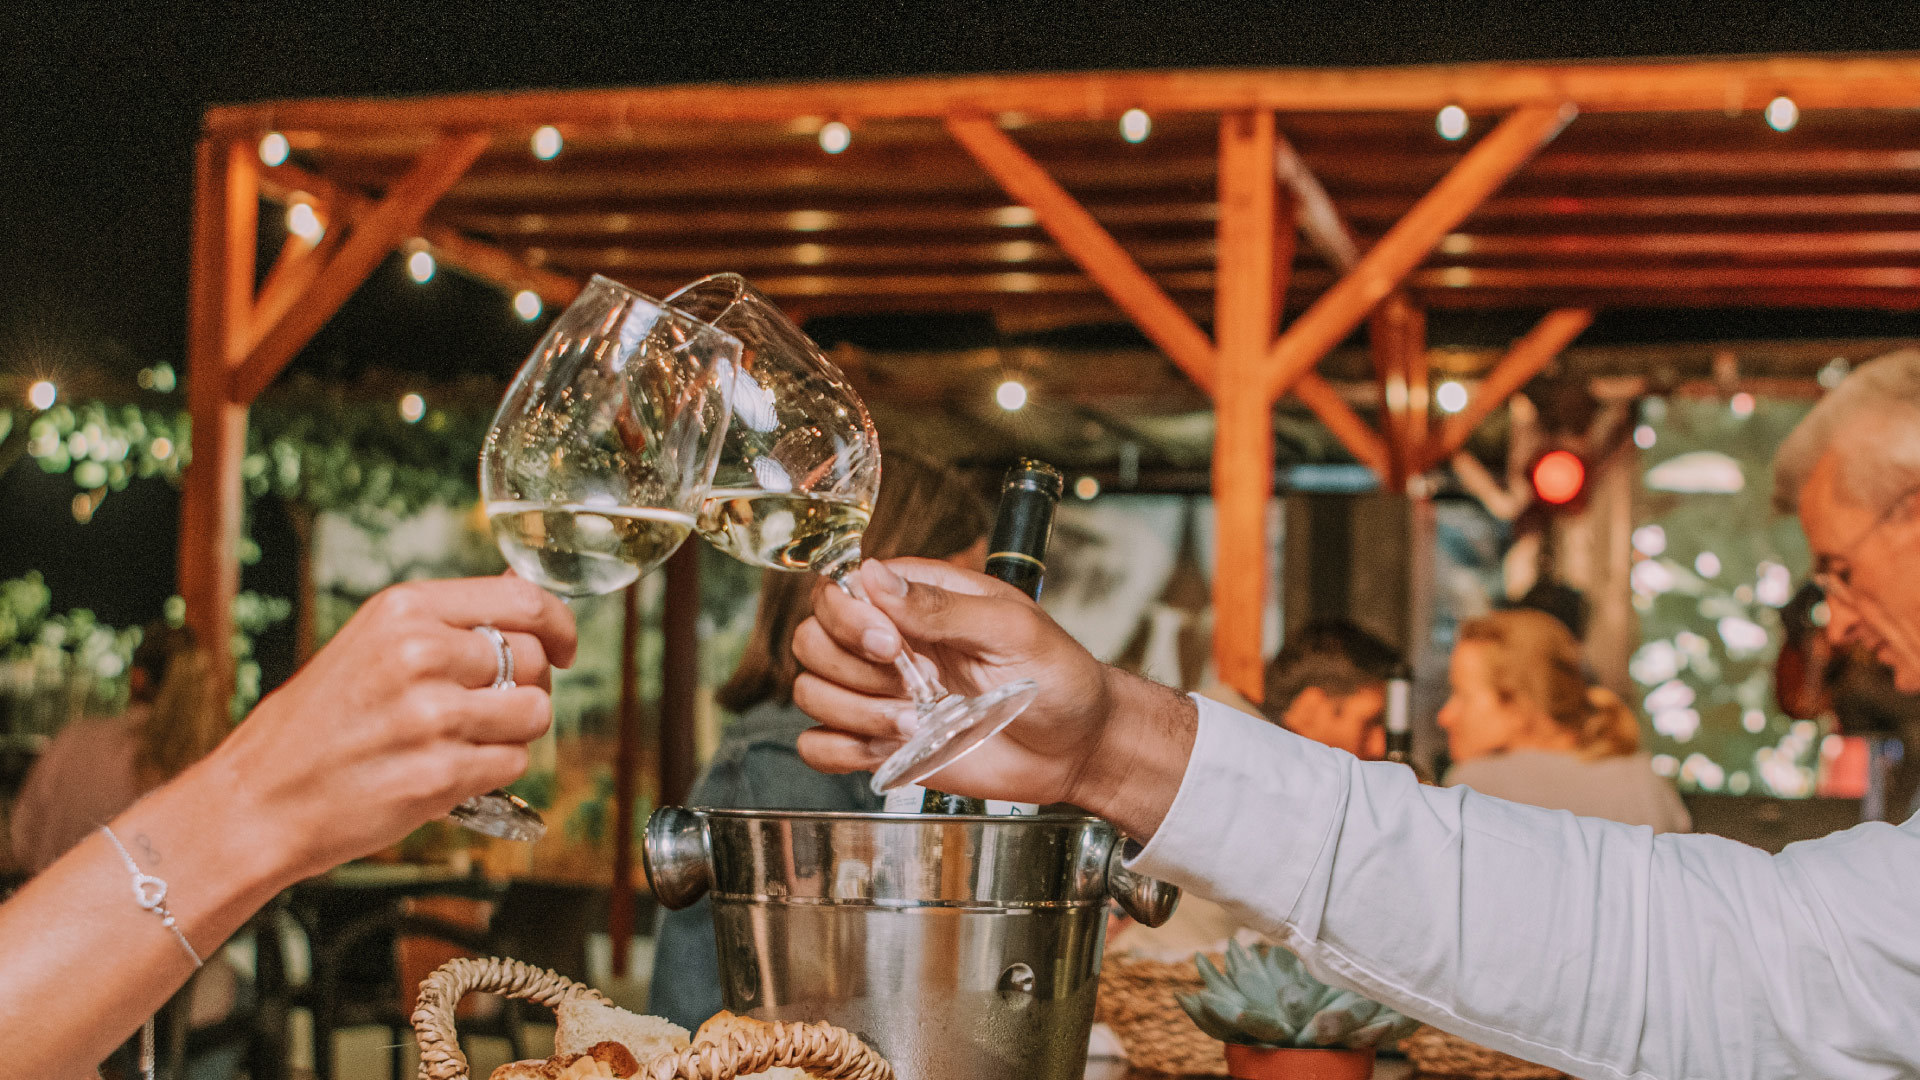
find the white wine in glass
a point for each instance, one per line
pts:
(784, 530)
(579, 549)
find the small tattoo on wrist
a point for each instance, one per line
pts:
(146, 848)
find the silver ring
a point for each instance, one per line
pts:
(502, 657)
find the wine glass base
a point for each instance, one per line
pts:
(500, 814)
(951, 730)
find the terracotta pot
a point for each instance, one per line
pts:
(1286, 1063)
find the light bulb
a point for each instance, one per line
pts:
(304, 223)
(42, 395)
(1644, 437)
(1451, 396)
(274, 149)
(1451, 123)
(1741, 404)
(420, 266)
(547, 143)
(1135, 125)
(1011, 395)
(1782, 113)
(1086, 487)
(412, 408)
(526, 304)
(835, 137)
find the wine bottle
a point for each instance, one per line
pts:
(1400, 717)
(1017, 555)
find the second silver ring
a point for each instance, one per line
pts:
(503, 657)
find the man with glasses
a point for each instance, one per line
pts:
(1593, 947)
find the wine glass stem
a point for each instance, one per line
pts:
(925, 690)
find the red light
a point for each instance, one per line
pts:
(1557, 477)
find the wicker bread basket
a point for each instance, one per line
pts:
(1436, 1053)
(1137, 1001)
(821, 1049)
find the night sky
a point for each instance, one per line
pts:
(100, 103)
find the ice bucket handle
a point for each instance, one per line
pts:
(676, 858)
(1148, 900)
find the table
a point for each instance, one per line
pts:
(1108, 1069)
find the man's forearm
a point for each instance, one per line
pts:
(1131, 778)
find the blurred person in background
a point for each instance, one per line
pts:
(1329, 683)
(1523, 724)
(923, 509)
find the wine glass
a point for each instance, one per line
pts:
(799, 469)
(597, 461)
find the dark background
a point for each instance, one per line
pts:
(100, 104)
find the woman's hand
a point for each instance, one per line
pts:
(1103, 740)
(394, 722)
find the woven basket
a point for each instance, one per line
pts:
(1434, 1052)
(821, 1049)
(1137, 1001)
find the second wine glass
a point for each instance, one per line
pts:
(798, 472)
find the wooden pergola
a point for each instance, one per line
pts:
(1576, 187)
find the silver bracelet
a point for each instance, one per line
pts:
(151, 893)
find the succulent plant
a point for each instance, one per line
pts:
(1267, 998)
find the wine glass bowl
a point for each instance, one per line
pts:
(604, 446)
(800, 465)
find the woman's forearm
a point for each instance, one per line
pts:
(86, 964)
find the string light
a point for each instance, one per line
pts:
(526, 304)
(274, 149)
(1135, 125)
(1644, 436)
(1451, 123)
(835, 137)
(1086, 487)
(1011, 395)
(412, 408)
(1451, 396)
(1741, 404)
(1782, 113)
(304, 223)
(42, 395)
(547, 143)
(420, 266)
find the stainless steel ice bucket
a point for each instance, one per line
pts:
(962, 948)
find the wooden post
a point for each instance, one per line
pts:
(1244, 315)
(225, 225)
(626, 770)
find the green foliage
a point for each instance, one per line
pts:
(69, 654)
(1709, 575)
(1267, 998)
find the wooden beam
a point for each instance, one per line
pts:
(501, 267)
(1314, 211)
(1091, 247)
(1412, 239)
(679, 675)
(1860, 82)
(1533, 352)
(225, 225)
(1418, 431)
(392, 220)
(1244, 314)
(1330, 407)
(626, 782)
(293, 273)
(1386, 340)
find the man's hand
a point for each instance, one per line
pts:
(394, 722)
(1095, 737)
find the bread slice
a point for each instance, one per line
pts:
(584, 1023)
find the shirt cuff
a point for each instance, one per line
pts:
(1254, 815)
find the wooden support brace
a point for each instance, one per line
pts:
(1386, 265)
(1346, 425)
(393, 219)
(1090, 246)
(1244, 314)
(1533, 352)
(502, 267)
(293, 273)
(225, 227)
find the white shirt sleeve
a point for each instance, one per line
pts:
(1593, 947)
